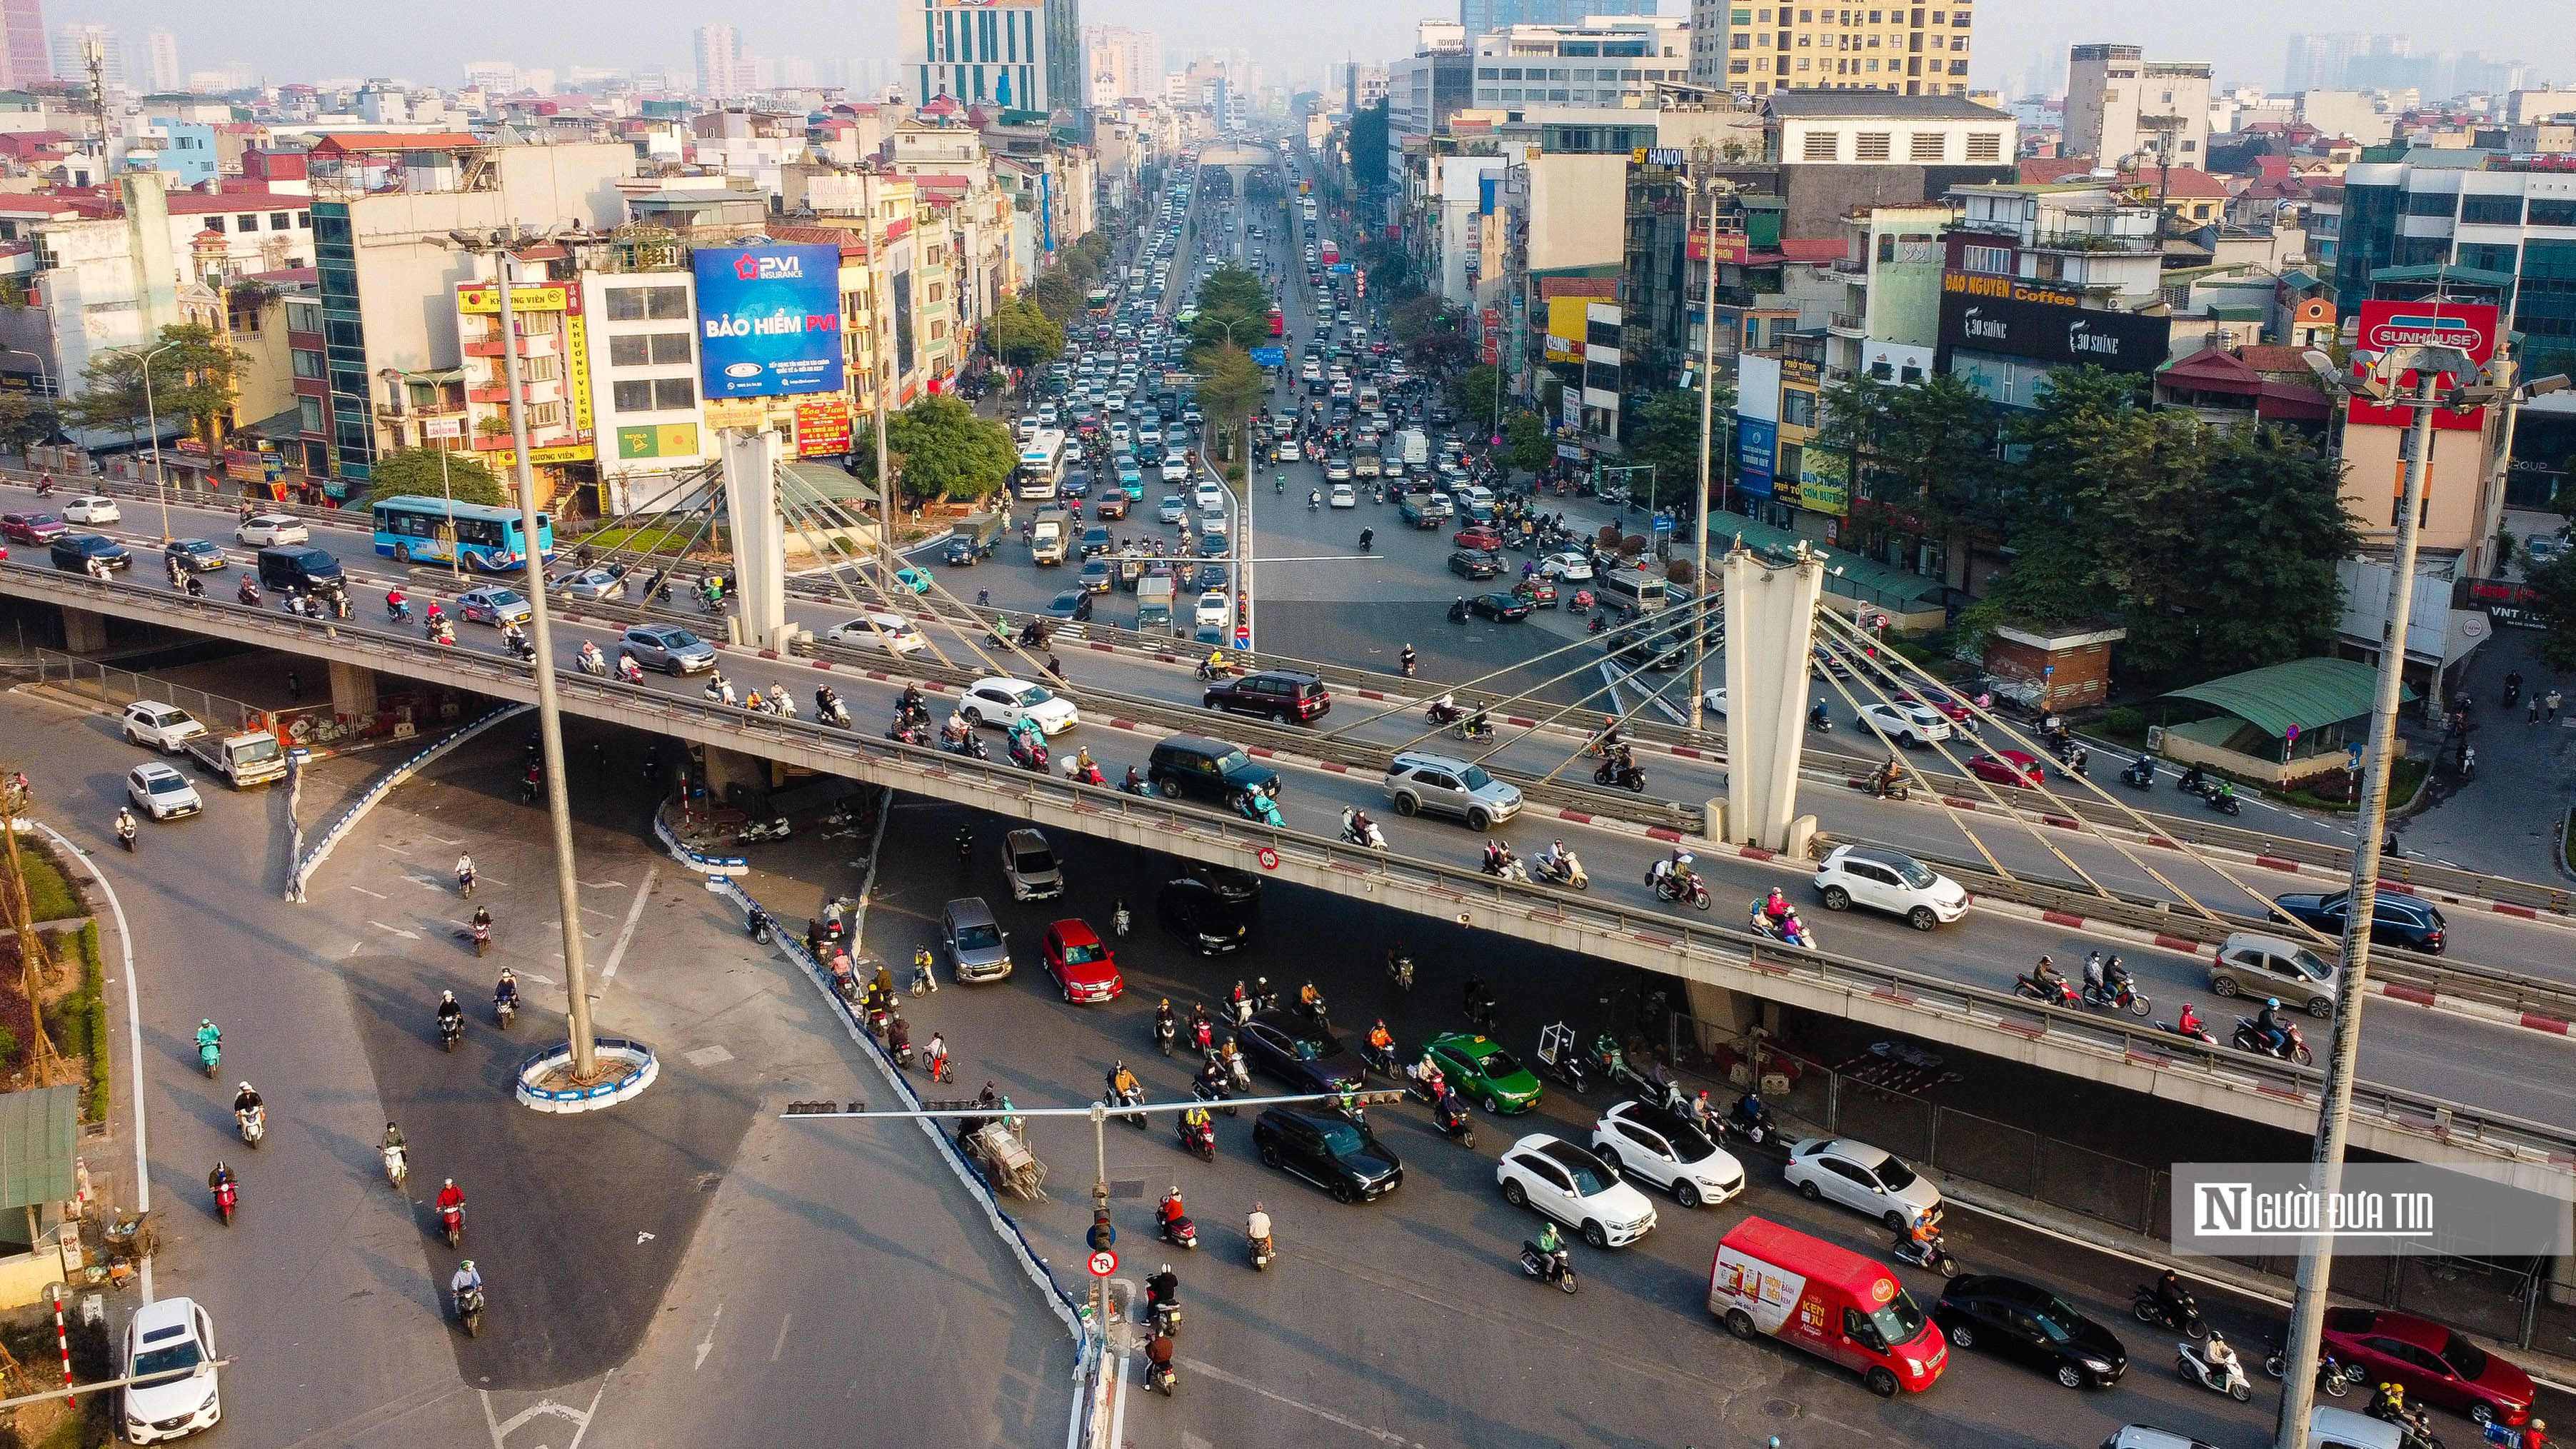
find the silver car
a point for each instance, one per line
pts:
(977, 947)
(1030, 865)
(1419, 782)
(667, 647)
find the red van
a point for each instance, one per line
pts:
(1832, 1303)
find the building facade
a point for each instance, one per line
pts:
(1760, 50)
(1617, 62)
(989, 54)
(2120, 105)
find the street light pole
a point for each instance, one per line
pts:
(585, 1048)
(1707, 425)
(152, 420)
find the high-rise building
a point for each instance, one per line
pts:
(1755, 50)
(1119, 62)
(1478, 17)
(492, 77)
(1063, 56)
(1022, 55)
(2120, 104)
(23, 58)
(71, 53)
(724, 68)
(1648, 48)
(161, 48)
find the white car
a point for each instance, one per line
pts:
(884, 631)
(1029, 426)
(1910, 725)
(171, 1336)
(164, 727)
(92, 509)
(1214, 610)
(1210, 498)
(162, 792)
(1857, 1175)
(1003, 702)
(263, 529)
(1890, 881)
(1176, 469)
(593, 585)
(1568, 568)
(1715, 699)
(1663, 1147)
(1344, 496)
(1569, 1184)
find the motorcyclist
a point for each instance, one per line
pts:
(393, 1139)
(2223, 1366)
(506, 990)
(2093, 975)
(1747, 1111)
(1357, 823)
(2047, 978)
(1211, 1079)
(1163, 1287)
(2172, 1297)
(451, 1198)
(1309, 998)
(482, 920)
(465, 872)
(1674, 871)
(2189, 1023)
(125, 826)
(591, 658)
(1884, 780)
(513, 637)
(1443, 709)
(1195, 1119)
(1257, 1226)
(1216, 663)
(1551, 1246)
(1380, 1040)
(1776, 908)
(451, 1016)
(1922, 1232)
(1134, 784)
(824, 699)
(1172, 1212)
(465, 1281)
(1556, 857)
(208, 1035)
(2194, 778)
(1122, 1083)
(247, 1101)
(912, 703)
(2268, 1022)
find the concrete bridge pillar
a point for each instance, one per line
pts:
(751, 459)
(84, 630)
(734, 778)
(1770, 628)
(353, 690)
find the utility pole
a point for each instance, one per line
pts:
(1704, 190)
(152, 420)
(877, 324)
(585, 1047)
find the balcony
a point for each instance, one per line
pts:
(1847, 324)
(1851, 269)
(537, 345)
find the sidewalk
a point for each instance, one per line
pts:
(2505, 821)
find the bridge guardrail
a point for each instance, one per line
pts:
(1617, 930)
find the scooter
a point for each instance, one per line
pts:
(451, 1031)
(1933, 1255)
(1788, 930)
(835, 713)
(2118, 994)
(594, 664)
(2334, 1379)
(1565, 872)
(628, 670)
(2191, 1362)
(2197, 1033)
(451, 1224)
(1371, 838)
(2061, 994)
(253, 1124)
(482, 939)
(1199, 1141)
(503, 1008)
(1451, 1115)
(1547, 1267)
(227, 1195)
(1674, 886)
(1180, 1232)
(2141, 774)
(1261, 1252)
(210, 1055)
(1756, 1126)
(469, 1311)
(1626, 777)
(2183, 1317)
(1560, 1058)
(2249, 1038)
(1167, 1030)
(1257, 806)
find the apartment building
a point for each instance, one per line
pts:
(1565, 64)
(2122, 107)
(1761, 50)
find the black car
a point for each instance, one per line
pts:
(2395, 920)
(75, 552)
(1474, 563)
(1288, 1045)
(1206, 918)
(1209, 769)
(1336, 1154)
(1501, 608)
(1229, 883)
(196, 555)
(1073, 606)
(2027, 1322)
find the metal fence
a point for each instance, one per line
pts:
(116, 688)
(2495, 1299)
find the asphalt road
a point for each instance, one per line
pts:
(1406, 1321)
(612, 1241)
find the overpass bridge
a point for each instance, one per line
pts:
(2401, 1121)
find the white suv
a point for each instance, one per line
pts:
(1576, 1188)
(1662, 1146)
(1910, 725)
(1890, 881)
(164, 727)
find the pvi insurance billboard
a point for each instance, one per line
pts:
(769, 320)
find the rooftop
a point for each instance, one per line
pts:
(1835, 105)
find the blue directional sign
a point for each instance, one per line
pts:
(1341, 269)
(1270, 356)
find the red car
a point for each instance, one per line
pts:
(45, 528)
(2431, 1362)
(1950, 706)
(2012, 767)
(1082, 967)
(1480, 537)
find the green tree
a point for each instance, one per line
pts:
(1230, 386)
(1233, 307)
(1023, 335)
(414, 473)
(1925, 449)
(1525, 442)
(25, 420)
(192, 380)
(1472, 393)
(1368, 147)
(941, 450)
(1665, 432)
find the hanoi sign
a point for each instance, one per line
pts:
(769, 320)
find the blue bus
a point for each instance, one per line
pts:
(491, 540)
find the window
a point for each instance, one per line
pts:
(2491, 210)
(214, 223)
(628, 352)
(545, 415)
(2488, 258)
(1887, 246)
(631, 397)
(308, 414)
(1928, 146)
(2431, 203)
(1797, 409)
(626, 304)
(1740, 67)
(675, 392)
(1823, 146)
(1872, 145)
(1802, 62)
(2546, 212)
(1986, 261)
(1985, 146)
(671, 347)
(281, 221)
(308, 363)
(667, 304)
(246, 223)
(1740, 41)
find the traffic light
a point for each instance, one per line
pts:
(1104, 1233)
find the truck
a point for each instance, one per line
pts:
(1047, 535)
(243, 760)
(1417, 448)
(1154, 601)
(971, 539)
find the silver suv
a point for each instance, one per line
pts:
(1419, 782)
(975, 942)
(667, 647)
(1029, 864)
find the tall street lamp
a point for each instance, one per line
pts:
(2477, 386)
(152, 421)
(396, 377)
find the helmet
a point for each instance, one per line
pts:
(506, 973)
(245, 1086)
(450, 1182)
(1167, 1267)
(466, 1266)
(2272, 1002)
(447, 996)
(205, 1021)
(2044, 961)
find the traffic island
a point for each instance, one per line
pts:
(547, 1083)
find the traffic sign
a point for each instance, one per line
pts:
(1269, 858)
(1103, 1264)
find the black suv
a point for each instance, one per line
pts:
(1209, 769)
(1338, 1155)
(1284, 695)
(75, 552)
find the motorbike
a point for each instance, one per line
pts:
(1443, 714)
(594, 664)
(210, 1055)
(1076, 771)
(2334, 1379)
(1261, 1252)
(2197, 1033)
(2249, 1038)
(832, 712)
(1507, 867)
(1820, 719)
(1122, 1098)
(1560, 1058)
(1256, 806)
(758, 831)
(397, 611)
(1676, 886)
(1199, 1141)
(397, 1164)
(1380, 1059)
(451, 1224)
(719, 690)
(2181, 1317)
(2141, 774)
(1547, 1267)
(1788, 930)
(451, 1030)
(1371, 837)
(2118, 994)
(253, 1124)
(1581, 601)
(628, 670)
(521, 646)
(1029, 755)
(1567, 871)
(247, 595)
(2061, 993)
(503, 1008)
(2224, 802)
(1451, 1115)
(1180, 1232)
(469, 1311)
(1210, 673)
(1933, 1255)
(1165, 1317)
(227, 1196)
(1166, 1031)
(969, 745)
(2192, 1363)
(125, 833)
(482, 939)
(1367, 538)
(1756, 1126)
(1625, 776)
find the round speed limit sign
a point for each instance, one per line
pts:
(1103, 1263)
(1269, 858)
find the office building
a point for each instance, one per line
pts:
(724, 69)
(1476, 17)
(1063, 57)
(1758, 50)
(1120, 63)
(1022, 55)
(23, 57)
(1557, 64)
(161, 59)
(2120, 105)
(71, 53)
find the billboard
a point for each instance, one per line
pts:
(2011, 317)
(483, 299)
(769, 320)
(823, 428)
(2469, 326)
(657, 440)
(1757, 443)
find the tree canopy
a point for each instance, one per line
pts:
(1234, 307)
(1368, 147)
(941, 450)
(1665, 432)
(191, 378)
(1022, 334)
(414, 472)
(1230, 386)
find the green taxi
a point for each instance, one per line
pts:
(1480, 1070)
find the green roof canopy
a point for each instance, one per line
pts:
(39, 1134)
(2308, 693)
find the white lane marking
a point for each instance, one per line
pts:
(707, 1345)
(362, 890)
(641, 1238)
(780, 1346)
(634, 914)
(397, 930)
(605, 885)
(1383, 1436)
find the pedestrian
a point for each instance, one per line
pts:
(294, 686)
(2533, 714)
(2552, 703)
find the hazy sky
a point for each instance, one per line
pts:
(291, 39)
